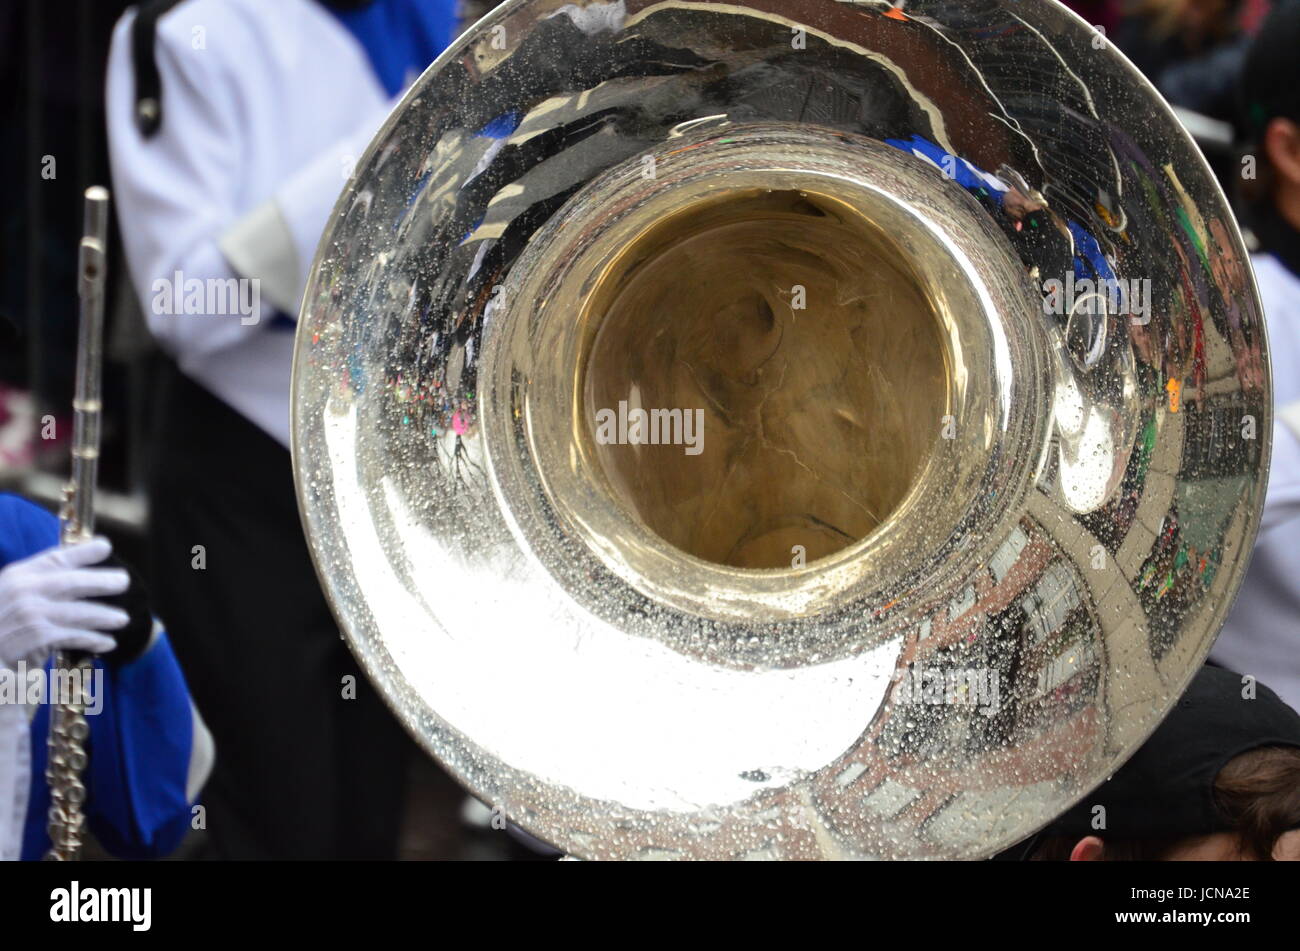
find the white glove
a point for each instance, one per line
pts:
(44, 606)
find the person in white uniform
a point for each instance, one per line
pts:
(233, 126)
(1262, 635)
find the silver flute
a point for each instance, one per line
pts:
(71, 671)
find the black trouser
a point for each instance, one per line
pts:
(301, 771)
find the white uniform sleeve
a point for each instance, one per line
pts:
(181, 194)
(277, 240)
(203, 753)
(1282, 503)
(175, 192)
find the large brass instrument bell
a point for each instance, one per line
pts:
(781, 428)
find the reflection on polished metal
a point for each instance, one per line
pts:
(781, 429)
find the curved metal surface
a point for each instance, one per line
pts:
(1055, 578)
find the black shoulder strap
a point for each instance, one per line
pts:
(148, 84)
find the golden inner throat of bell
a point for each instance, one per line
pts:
(766, 378)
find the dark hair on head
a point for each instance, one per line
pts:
(1259, 794)
(1258, 797)
(1268, 88)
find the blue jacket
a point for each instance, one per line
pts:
(141, 738)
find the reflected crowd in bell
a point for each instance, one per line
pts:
(989, 311)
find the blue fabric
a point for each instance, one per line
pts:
(502, 127)
(1089, 259)
(139, 740)
(25, 529)
(401, 36)
(958, 169)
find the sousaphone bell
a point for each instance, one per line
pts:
(774, 429)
